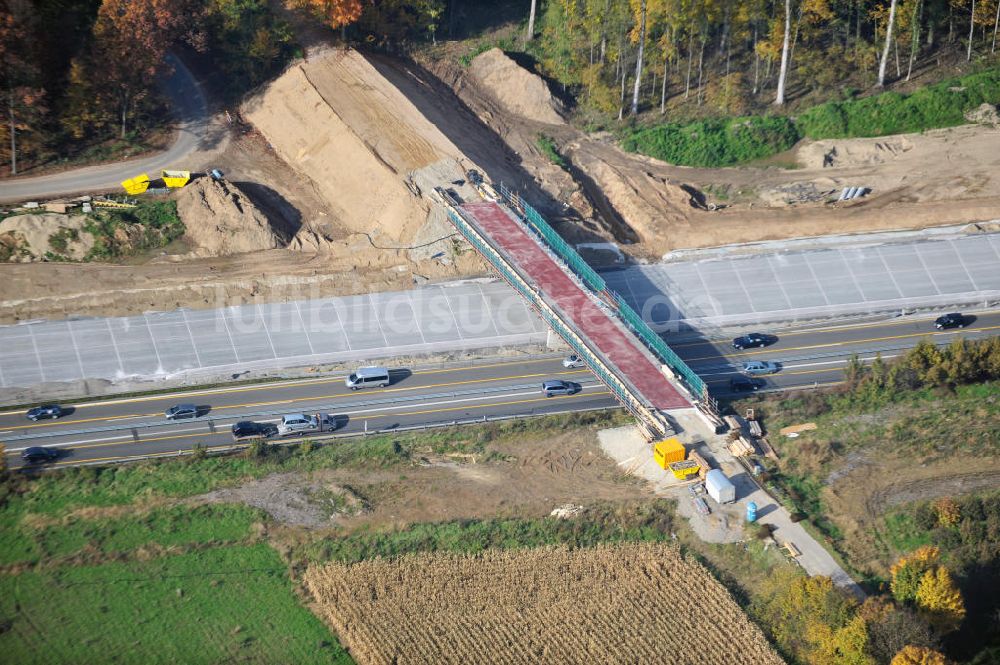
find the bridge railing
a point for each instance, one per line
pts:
(595, 282)
(656, 344)
(538, 224)
(636, 406)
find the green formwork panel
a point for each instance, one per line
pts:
(557, 325)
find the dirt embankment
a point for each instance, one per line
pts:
(26, 238)
(941, 177)
(322, 197)
(518, 91)
(220, 220)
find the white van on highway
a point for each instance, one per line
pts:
(368, 377)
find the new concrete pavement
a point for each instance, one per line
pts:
(119, 428)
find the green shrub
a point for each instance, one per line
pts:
(550, 150)
(941, 105)
(59, 241)
(714, 142)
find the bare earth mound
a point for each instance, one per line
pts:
(342, 126)
(221, 221)
(635, 603)
(29, 237)
(516, 89)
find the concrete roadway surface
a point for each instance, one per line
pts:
(809, 355)
(189, 107)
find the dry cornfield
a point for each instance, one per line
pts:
(630, 603)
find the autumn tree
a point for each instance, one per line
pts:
(909, 571)
(640, 38)
(947, 511)
(810, 617)
(939, 600)
(335, 13)
(129, 43)
(846, 645)
(18, 74)
(892, 627)
(914, 655)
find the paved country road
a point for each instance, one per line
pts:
(117, 428)
(189, 107)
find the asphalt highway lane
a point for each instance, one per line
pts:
(118, 428)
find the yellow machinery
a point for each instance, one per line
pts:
(136, 185)
(684, 470)
(175, 179)
(667, 451)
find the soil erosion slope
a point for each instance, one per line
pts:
(337, 121)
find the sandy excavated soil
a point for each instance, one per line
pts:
(941, 177)
(29, 235)
(532, 478)
(517, 90)
(342, 147)
(221, 220)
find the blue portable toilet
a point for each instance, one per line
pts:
(751, 512)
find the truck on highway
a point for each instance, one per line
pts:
(299, 424)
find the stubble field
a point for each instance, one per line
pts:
(638, 603)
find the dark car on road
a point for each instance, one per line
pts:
(554, 387)
(753, 339)
(247, 429)
(743, 384)
(45, 411)
(181, 411)
(953, 320)
(39, 455)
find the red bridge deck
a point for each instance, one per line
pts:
(609, 338)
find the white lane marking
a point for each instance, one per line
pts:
(386, 407)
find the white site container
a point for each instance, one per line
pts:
(719, 487)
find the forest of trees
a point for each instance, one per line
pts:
(76, 72)
(624, 57)
(79, 72)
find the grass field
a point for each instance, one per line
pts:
(226, 604)
(116, 565)
(609, 604)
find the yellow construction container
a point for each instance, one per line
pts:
(667, 451)
(174, 179)
(136, 185)
(684, 470)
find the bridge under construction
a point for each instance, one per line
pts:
(633, 361)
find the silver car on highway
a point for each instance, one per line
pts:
(760, 367)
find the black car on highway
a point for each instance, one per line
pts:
(953, 320)
(742, 384)
(39, 455)
(247, 429)
(45, 411)
(753, 339)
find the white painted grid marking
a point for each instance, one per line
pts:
(38, 356)
(263, 324)
(486, 306)
(76, 349)
(194, 346)
(114, 345)
(149, 331)
(454, 319)
(225, 324)
(371, 303)
(305, 331)
(343, 328)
